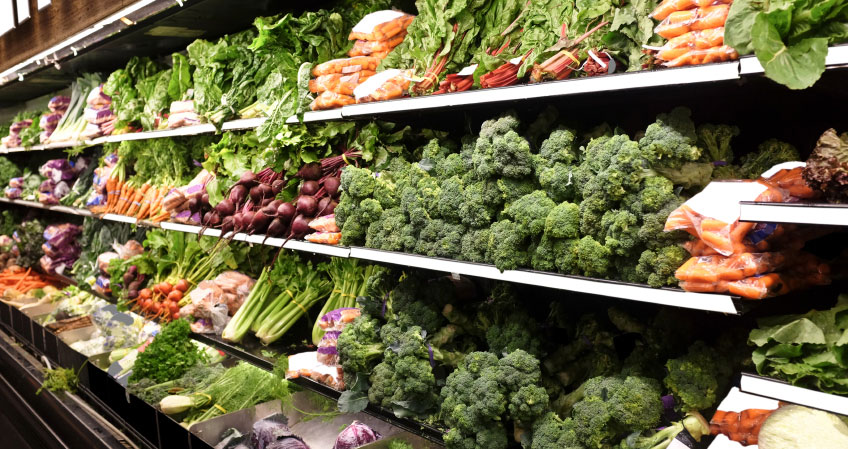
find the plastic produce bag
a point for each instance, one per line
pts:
(667, 7)
(98, 116)
(331, 100)
(336, 320)
(338, 83)
(97, 98)
(327, 352)
(697, 57)
(381, 25)
(324, 238)
(346, 65)
(730, 268)
(740, 416)
(693, 40)
(327, 223)
(59, 103)
(789, 176)
(386, 85)
(682, 22)
(370, 48)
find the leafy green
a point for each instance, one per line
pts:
(8, 170)
(806, 350)
(171, 354)
(59, 380)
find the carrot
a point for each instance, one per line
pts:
(29, 270)
(738, 232)
(137, 199)
(130, 198)
(145, 202)
(717, 240)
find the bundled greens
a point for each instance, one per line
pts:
(171, 354)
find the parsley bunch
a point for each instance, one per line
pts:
(169, 356)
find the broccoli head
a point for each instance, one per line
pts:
(595, 156)
(692, 377)
(452, 165)
(473, 402)
(621, 231)
(593, 258)
(415, 210)
(592, 210)
(656, 267)
(358, 182)
(715, 140)
(498, 126)
(559, 146)
(655, 192)
(672, 139)
(512, 156)
(614, 406)
(479, 201)
(512, 189)
(551, 432)
(527, 404)
(768, 154)
(434, 151)
(451, 196)
(428, 194)
(652, 233)
(391, 232)
(507, 248)
(410, 305)
(544, 255)
(563, 222)
(359, 345)
(440, 239)
(518, 331)
(559, 181)
(530, 212)
(344, 209)
(475, 246)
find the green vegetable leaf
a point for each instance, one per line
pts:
(797, 66)
(737, 28)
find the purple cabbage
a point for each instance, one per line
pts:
(269, 430)
(289, 442)
(355, 435)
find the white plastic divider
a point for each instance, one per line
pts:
(37, 205)
(817, 214)
(608, 83)
(836, 56)
(668, 297)
(46, 146)
(783, 391)
(243, 123)
(184, 131)
(318, 116)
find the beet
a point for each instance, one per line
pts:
(309, 188)
(194, 204)
(270, 208)
(247, 179)
(204, 199)
(329, 210)
(225, 208)
(213, 219)
(259, 222)
(267, 191)
(276, 228)
(300, 226)
(306, 205)
(277, 186)
(331, 185)
(256, 194)
(227, 225)
(286, 212)
(238, 195)
(266, 202)
(310, 171)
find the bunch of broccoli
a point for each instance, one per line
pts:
(596, 210)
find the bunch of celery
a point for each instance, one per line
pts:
(349, 282)
(280, 297)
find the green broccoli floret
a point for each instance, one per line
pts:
(622, 174)
(410, 305)
(693, 423)
(451, 165)
(545, 255)
(551, 432)
(559, 181)
(468, 143)
(652, 232)
(416, 214)
(478, 206)
(428, 194)
(451, 196)
(593, 258)
(512, 155)
(527, 404)
(404, 380)
(566, 260)
(621, 231)
(671, 140)
(594, 157)
(656, 192)
(440, 239)
(391, 232)
(358, 182)
(512, 189)
(530, 212)
(615, 406)
(475, 246)
(369, 210)
(359, 345)
(768, 154)
(386, 192)
(541, 127)
(507, 248)
(344, 209)
(518, 331)
(715, 141)
(692, 377)
(563, 222)
(688, 175)
(657, 267)
(592, 210)
(559, 146)
(498, 126)
(433, 151)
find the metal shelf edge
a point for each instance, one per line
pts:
(668, 297)
(782, 391)
(800, 213)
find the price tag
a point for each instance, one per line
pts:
(468, 70)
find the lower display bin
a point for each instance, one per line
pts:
(51, 346)
(21, 325)
(5, 315)
(172, 435)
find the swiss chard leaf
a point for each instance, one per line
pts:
(798, 65)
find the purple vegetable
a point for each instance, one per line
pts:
(248, 179)
(309, 188)
(269, 430)
(291, 442)
(355, 435)
(227, 224)
(238, 194)
(286, 212)
(300, 227)
(277, 186)
(276, 228)
(226, 208)
(331, 185)
(259, 222)
(310, 171)
(307, 205)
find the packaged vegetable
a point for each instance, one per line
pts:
(346, 65)
(327, 352)
(682, 22)
(98, 116)
(740, 416)
(59, 103)
(326, 238)
(338, 83)
(693, 40)
(381, 25)
(789, 176)
(336, 320)
(97, 98)
(327, 223)
(17, 127)
(91, 131)
(369, 48)
(386, 85)
(667, 7)
(730, 268)
(697, 57)
(330, 100)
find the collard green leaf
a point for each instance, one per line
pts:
(737, 28)
(797, 66)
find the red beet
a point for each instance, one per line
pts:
(331, 185)
(277, 186)
(247, 179)
(225, 208)
(306, 205)
(276, 228)
(259, 222)
(238, 194)
(310, 171)
(300, 226)
(309, 188)
(286, 211)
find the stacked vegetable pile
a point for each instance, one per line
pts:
(23, 131)
(57, 106)
(507, 376)
(72, 126)
(695, 32)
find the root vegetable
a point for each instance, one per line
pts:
(309, 188)
(226, 208)
(310, 171)
(286, 212)
(306, 205)
(331, 185)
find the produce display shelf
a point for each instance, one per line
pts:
(836, 56)
(634, 292)
(37, 205)
(800, 213)
(243, 123)
(46, 146)
(782, 391)
(318, 116)
(176, 132)
(129, 220)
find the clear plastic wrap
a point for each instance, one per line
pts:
(381, 25)
(330, 100)
(693, 40)
(338, 83)
(346, 65)
(667, 7)
(386, 85)
(730, 268)
(681, 22)
(327, 223)
(324, 238)
(372, 48)
(721, 53)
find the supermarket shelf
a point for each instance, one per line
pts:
(319, 116)
(782, 391)
(244, 123)
(836, 56)
(176, 132)
(608, 83)
(817, 214)
(633, 292)
(37, 205)
(46, 146)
